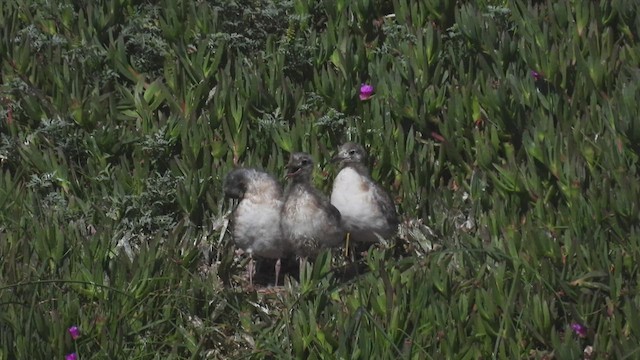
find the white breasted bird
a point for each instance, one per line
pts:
(367, 210)
(256, 219)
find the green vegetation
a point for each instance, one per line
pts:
(508, 132)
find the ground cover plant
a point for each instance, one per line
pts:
(507, 132)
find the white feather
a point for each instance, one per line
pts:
(257, 227)
(353, 195)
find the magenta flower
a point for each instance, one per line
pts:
(535, 75)
(366, 91)
(579, 329)
(72, 356)
(74, 331)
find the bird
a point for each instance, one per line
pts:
(308, 221)
(255, 221)
(368, 212)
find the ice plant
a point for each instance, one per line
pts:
(72, 356)
(579, 329)
(74, 331)
(366, 91)
(535, 75)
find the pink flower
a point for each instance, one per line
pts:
(72, 356)
(535, 75)
(366, 91)
(579, 329)
(74, 331)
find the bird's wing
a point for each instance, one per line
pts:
(386, 205)
(334, 212)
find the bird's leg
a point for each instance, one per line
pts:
(250, 269)
(346, 245)
(277, 271)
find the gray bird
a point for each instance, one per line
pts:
(256, 219)
(309, 221)
(367, 210)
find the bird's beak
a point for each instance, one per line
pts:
(289, 167)
(233, 203)
(291, 170)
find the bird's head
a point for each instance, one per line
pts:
(300, 167)
(349, 153)
(235, 183)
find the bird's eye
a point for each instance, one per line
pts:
(352, 152)
(304, 162)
